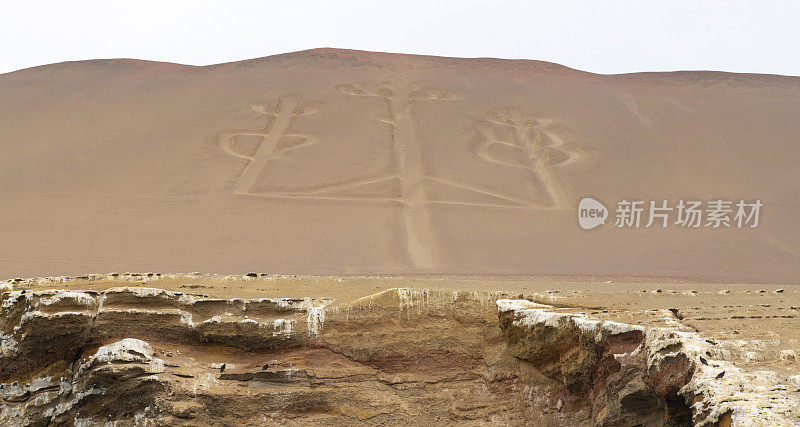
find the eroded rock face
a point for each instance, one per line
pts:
(69, 353)
(633, 376)
(599, 363)
(137, 355)
(718, 392)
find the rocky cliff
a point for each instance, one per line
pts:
(135, 355)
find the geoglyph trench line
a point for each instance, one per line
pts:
(531, 137)
(408, 152)
(400, 115)
(269, 149)
(401, 105)
(558, 194)
(269, 139)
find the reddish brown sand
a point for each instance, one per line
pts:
(331, 162)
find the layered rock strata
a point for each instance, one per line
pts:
(136, 355)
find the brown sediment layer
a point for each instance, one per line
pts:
(130, 354)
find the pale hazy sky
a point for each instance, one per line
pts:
(597, 36)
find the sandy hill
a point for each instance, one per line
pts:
(331, 161)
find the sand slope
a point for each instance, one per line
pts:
(330, 161)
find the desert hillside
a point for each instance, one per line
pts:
(330, 162)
